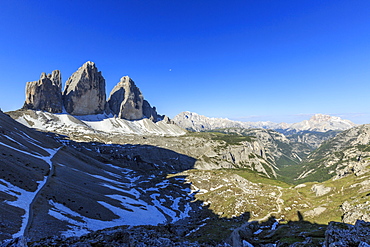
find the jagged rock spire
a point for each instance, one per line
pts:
(45, 94)
(126, 100)
(84, 93)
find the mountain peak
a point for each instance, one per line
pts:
(322, 118)
(89, 63)
(84, 93)
(323, 123)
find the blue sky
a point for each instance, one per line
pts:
(243, 60)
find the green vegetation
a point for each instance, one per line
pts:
(231, 139)
(256, 177)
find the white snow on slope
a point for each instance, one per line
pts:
(96, 123)
(139, 206)
(79, 225)
(25, 198)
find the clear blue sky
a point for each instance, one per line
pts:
(244, 60)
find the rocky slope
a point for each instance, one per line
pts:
(317, 123)
(52, 186)
(93, 125)
(279, 149)
(347, 153)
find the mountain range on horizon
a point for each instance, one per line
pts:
(317, 123)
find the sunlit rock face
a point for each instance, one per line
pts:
(84, 93)
(151, 112)
(126, 100)
(45, 94)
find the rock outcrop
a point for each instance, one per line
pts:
(84, 93)
(126, 100)
(150, 112)
(341, 234)
(45, 94)
(320, 189)
(355, 210)
(345, 154)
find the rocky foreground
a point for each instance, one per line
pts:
(265, 234)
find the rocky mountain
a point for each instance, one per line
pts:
(317, 123)
(195, 122)
(85, 94)
(312, 139)
(279, 149)
(45, 94)
(346, 153)
(126, 100)
(321, 123)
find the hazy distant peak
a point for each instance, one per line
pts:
(318, 122)
(322, 118)
(322, 123)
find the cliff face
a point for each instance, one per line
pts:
(126, 100)
(84, 93)
(347, 153)
(45, 94)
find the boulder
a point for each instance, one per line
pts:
(342, 234)
(320, 189)
(126, 100)
(84, 93)
(45, 94)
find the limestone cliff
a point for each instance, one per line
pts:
(126, 100)
(84, 93)
(45, 94)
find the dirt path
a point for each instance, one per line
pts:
(278, 203)
(30, 208)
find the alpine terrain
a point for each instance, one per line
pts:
(80, 168)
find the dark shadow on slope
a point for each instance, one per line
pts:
(203, 226)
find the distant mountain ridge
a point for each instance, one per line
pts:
(317, 123)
